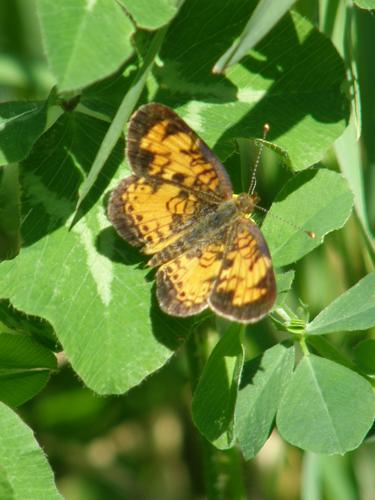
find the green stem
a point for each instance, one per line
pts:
(222, 469)
(302, 342)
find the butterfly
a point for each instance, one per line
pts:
(178, 206)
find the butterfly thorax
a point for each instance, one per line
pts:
(245, 202)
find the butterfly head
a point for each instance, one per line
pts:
(245, 202)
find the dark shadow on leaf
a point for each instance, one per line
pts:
(299, 180)
(252, 366)
(371, 433)
(52, 174)
(108, 171)
(298, 90)
(305, 75)
(34, 326)
(109, 243)
(168, 330)
(106, 95)
(249, 370)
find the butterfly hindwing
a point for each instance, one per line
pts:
(185, 283)
(245, 289)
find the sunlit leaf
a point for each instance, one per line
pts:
(317, 200)
(24, 470)
(85, 40)
(365, 4)
(151, 14)
(263, 381)
(215, 395)
(123, 113)
(326, 408)
(353, 310)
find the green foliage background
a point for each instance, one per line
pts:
(78, 315)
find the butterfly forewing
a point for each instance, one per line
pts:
(150, 213)
(160, 144)
(177, 179)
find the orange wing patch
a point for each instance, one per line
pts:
(163, 146)
(150, 214)
(245, 289)
(185, 283)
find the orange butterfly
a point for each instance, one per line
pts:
(179, 207)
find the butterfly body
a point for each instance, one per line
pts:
(180, 208)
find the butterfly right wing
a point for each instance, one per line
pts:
(245, 289)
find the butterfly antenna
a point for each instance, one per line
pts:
(310, 234)
(253, 181)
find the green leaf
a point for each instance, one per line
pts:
(317, 200)
(326, 407)
(9, 212)
(353, 310)
(263, 381)
(266, 14)
(364, 354)
(24, 470)
(215, 395)
(21, 123)
(103, 98)
(41, 330)
(365, 4)
(305, 111)
(25, 368)
(90, 285)
(85, 40)
(283, 284)
(151, 14)
(327, 350)
(18, 352)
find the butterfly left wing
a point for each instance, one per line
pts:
(151, 214)
(245, 289)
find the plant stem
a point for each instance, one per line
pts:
(302, 341)
(222, 469)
